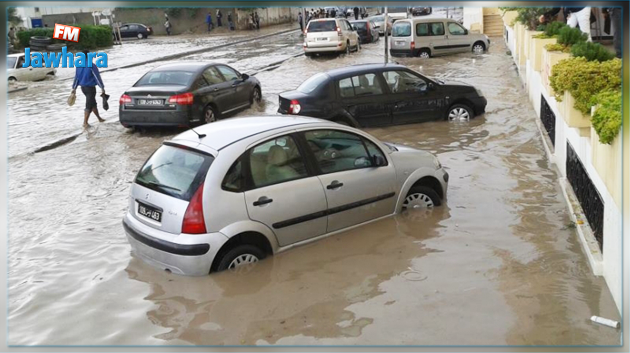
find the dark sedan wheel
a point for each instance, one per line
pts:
(140, 35)
(256, 96)
(460, 112)
(209, 115)
(241, 257)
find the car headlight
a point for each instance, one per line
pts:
(479, 92)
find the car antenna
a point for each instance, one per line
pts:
(198, 134)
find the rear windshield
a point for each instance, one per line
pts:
(322, 26)
(312, 83)
(174, 171)
(397, 10)
(359, 25)
(160, 78)
(401, 29)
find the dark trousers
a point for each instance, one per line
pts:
(90, 97)
(219, 22)
(209, 26)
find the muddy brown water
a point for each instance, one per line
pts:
(498, 264)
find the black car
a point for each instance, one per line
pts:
(131, 30)
(380, 95)
(367, 31)
(417, 11)
(186, 94)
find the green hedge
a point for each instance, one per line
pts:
(607, 117)
(592, 51)
(91, 37)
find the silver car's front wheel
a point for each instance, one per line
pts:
(478, 48)
(459, 112)
(421, 197)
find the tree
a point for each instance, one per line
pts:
(14, 18)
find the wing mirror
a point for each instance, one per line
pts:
(379, 161)
(377, 27)
(431, 85)
(244, 77)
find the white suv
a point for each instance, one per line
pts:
(330, 35)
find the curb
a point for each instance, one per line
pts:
(191, 52)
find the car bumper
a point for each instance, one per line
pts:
(184, 254)
(401, 52)
(442, 176)
(129, 118)
(479, 104)
(324, 48)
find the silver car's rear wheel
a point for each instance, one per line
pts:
(241, 257)
(424, 54)
(243, 260)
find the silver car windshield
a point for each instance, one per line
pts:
(174, 171)
(11, 62)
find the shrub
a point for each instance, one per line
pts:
(607, 117)
(91, 37)
(557, 47)
(569, 36)
(553, 29)
(592, 51)
(584, 79)
(529, 16)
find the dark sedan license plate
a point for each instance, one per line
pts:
(150, 212)
(150, 101)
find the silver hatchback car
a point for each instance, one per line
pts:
(234, 191)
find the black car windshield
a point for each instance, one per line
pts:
(322, 26)
(312, 83)
(174, 171)
(11, 62)
(160, 78)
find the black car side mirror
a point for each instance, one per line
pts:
(244, 76)
(431, 85)
(379, 161)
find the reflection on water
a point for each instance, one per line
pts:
(495, 265)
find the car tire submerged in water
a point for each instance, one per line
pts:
(240, 255)
(424, 54)
(478, 48)
(459, 112)
(256, 96)
(421, 197)
(140, 35)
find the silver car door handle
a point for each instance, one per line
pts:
(263, 200)
(334, 185)
(215, 89)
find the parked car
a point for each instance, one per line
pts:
(397, 13)
(131, 30)
(417, 11)
(330, 35)
(381, 95)
(366, 30)
(276, 183)
(185, 94)
(380, 25)
(431, 37)
(15, 71)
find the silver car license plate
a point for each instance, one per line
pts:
(150, 101)
(151, 213)
(400, 42)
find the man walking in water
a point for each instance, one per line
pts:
(88, 78)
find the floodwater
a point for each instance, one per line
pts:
(498, 264)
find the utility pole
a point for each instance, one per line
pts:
(303, 20)
(385, 22)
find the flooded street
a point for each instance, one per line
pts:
(498, 264)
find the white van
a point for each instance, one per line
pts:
(397, 13)
(431, 37)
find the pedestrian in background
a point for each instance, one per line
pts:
(88, 78)
(356, 13)
(209, 21)
(257, 20)
(615, 19)
(219, 17)
(230, 23)
(301, 22)
(575, 16)
(167, 26)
